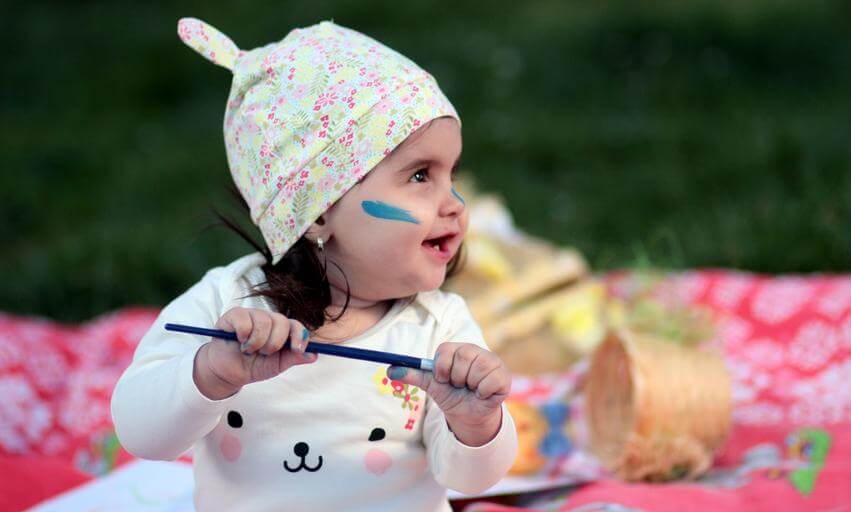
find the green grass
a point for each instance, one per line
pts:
(686, 134)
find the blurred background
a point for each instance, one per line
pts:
(671, 134)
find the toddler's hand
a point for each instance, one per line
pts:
(469, 385)
(223, 367)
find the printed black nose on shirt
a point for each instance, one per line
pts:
(301, 449)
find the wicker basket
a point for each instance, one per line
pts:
(657, 410)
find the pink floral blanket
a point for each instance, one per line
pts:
(786, 340)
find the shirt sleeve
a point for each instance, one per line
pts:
(157, 409)
(466, 469)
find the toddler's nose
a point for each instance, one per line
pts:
(453, 203)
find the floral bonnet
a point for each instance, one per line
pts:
(309, 116)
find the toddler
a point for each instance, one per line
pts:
(344, 152)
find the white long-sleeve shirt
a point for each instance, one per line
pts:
(332, 435)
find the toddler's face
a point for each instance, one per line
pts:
(395, 231)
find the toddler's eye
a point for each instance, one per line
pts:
(419, 176)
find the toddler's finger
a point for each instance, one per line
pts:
(261, 326)
(443, 361)
(493, 384)
(278, 334)
(298, 336)
(290, 358)
(236, 320)
(462, 361)
(485, 363)
(410, 376)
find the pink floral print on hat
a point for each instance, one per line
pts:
(309, 116)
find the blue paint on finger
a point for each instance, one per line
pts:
(397, 372)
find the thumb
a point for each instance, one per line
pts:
(289, 358)
(410, 376)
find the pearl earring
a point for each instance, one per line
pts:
(320, 244)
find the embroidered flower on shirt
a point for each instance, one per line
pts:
(409, 395)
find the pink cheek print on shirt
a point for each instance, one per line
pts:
(377, 461)
(230, 447)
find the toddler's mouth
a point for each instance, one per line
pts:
(440, 247)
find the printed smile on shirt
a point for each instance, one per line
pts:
(301, 449)
(401, 225)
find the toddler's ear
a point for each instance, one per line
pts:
(319, 229)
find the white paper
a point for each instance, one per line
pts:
(138, 486)
(518, 484)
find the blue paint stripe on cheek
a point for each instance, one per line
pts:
(386, 211)
(458, 196)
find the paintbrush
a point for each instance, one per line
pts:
(363, 354)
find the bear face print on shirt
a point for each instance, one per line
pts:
(351, 419)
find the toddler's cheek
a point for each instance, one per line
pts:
(377, 461)
(230, 447)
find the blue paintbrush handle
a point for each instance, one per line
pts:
(363, 354)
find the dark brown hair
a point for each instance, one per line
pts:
(298, 284)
